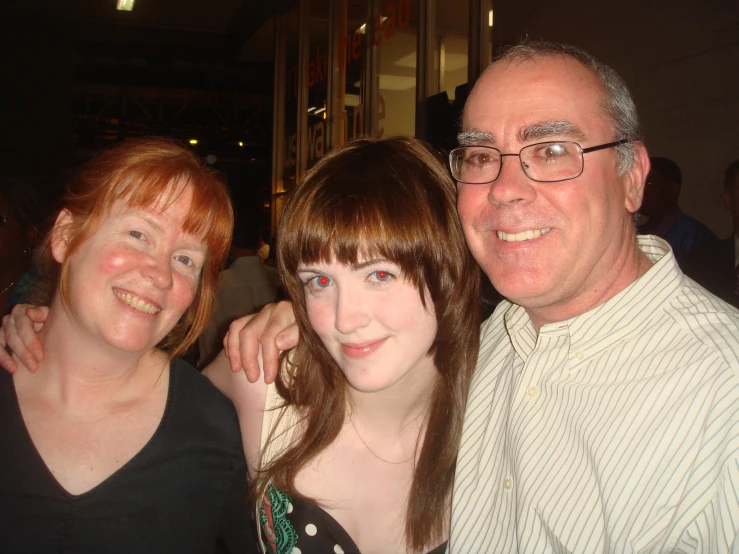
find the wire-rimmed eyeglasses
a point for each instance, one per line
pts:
(545, 162)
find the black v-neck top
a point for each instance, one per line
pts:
(183, 489)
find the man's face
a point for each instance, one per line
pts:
(548, 247)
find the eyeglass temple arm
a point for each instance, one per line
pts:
(604, 146)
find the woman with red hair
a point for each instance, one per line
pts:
(115, 444)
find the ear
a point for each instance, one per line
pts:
(60, 235)
(635, 178)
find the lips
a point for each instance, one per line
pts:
(136, 302)
(361, 350)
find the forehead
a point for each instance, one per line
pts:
(512, 95)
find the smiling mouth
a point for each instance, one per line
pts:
(137, 303)
(523, 235)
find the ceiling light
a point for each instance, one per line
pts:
(125, 5)
(241, 143)
(193, 141)
(490, 18)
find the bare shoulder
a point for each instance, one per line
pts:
(248, 399)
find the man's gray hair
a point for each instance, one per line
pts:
(617, 103)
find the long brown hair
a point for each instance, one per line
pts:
(390, 199)
(142, 173)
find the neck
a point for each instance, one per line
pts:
(628, 265)
(398, 409)
(80, 374)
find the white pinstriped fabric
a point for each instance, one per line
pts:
(616, 431)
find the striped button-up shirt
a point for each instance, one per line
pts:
(616, 431)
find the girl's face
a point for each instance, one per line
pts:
(371, 321)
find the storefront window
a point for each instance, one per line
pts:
(452, 28)
(395, 36)
(290, 26)
(317, 81)
(351, 64)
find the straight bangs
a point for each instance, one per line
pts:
(367, 201)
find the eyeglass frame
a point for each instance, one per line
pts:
(583, 151)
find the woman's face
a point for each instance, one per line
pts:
(371, 321)
(130, 283)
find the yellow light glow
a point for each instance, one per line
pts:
(125, 5)
(490, 18)
(193, 141)
(324, 115)
(241, 143)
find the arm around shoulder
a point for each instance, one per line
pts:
(248, 399)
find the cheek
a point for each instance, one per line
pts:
(115, 260)
(184, 290)
(320, 315)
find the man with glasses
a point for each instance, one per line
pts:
(604, 412)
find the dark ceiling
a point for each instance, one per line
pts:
(83, 75)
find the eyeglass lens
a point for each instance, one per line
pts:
(547, 161)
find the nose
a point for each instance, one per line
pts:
(512, 186)
(351, 312)
(158, 269)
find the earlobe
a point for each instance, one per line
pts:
(635, 178)
(60, 235)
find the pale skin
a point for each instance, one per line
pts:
(102, 388)
(589, 255)
(388, 395)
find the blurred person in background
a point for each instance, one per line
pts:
(666, 219)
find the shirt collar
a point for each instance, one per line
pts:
(616, 318)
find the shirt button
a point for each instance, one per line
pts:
(580, 355)
(532, 392)
(508, 483)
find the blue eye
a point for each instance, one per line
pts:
(186, 260)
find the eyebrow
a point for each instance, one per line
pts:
(550, 129)
(354, 267)
(475, 136)
(534, 131)
(369, 263)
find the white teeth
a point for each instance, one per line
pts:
(137, 303)
(523, 235)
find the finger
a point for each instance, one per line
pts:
(285, 340)
(232, 339)
(281, 318)
(6, 360)
(250, 344)
(12, 325)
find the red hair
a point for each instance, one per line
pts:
(143, 173)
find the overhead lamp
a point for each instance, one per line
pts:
(241, 143)
(125, 5)
(193, 141)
